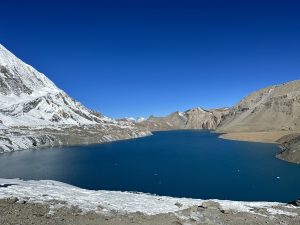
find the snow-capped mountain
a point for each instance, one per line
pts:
(29, 99)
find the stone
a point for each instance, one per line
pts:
(211, 205)
(22, 201)
(225, 211)
(295, 203)
(178, 204)
(12, 200)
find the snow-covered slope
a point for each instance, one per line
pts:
(29, 99)
(57, 193)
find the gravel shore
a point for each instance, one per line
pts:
(23, 213)
(263, 136)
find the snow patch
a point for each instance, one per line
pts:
(123, 202)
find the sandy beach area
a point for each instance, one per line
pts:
(263, 136)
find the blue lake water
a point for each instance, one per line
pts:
(193, 164)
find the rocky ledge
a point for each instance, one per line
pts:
(290, 148)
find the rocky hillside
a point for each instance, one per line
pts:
(197, 118)
(290, 148)
(273, 108)
(32, 108)
(267, 114)
(270, 110)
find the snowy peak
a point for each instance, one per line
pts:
(35, 113)
(19, 78)
(29, 98)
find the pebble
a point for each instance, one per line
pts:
(225, 211)
(178, 204)
(211, 205)
(22, 201)
(12, 200)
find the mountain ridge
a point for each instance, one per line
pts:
(275, 107)
(270, 115)
(28, 96)
(195, 118)
(35, 113)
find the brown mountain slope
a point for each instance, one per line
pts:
(270, 115)
(197, 118)
(276, 108)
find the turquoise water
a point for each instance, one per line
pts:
(193, 164)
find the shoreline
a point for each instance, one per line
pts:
(25, 138)
(51, 202)
(288, 142)
(270, 137)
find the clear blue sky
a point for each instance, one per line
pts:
(136, 58)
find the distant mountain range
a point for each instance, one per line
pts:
(197, 118)
(273, 110)
(34, 112)
(276, 108)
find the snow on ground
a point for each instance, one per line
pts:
(115, 201)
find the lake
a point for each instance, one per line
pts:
(188, 163)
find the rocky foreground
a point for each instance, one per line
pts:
(38, 214)
(50, 202)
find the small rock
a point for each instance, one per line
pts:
(38, 214)
(178, 204)
(211, 205)
(139, 213)
(131, 218)
(192, 220)
(295, 203)
(177, 222)
(195, 208)
(100, 207)
(262, 210)
(76, 210)
(225, 211)
(22, 201)
(12, 200)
